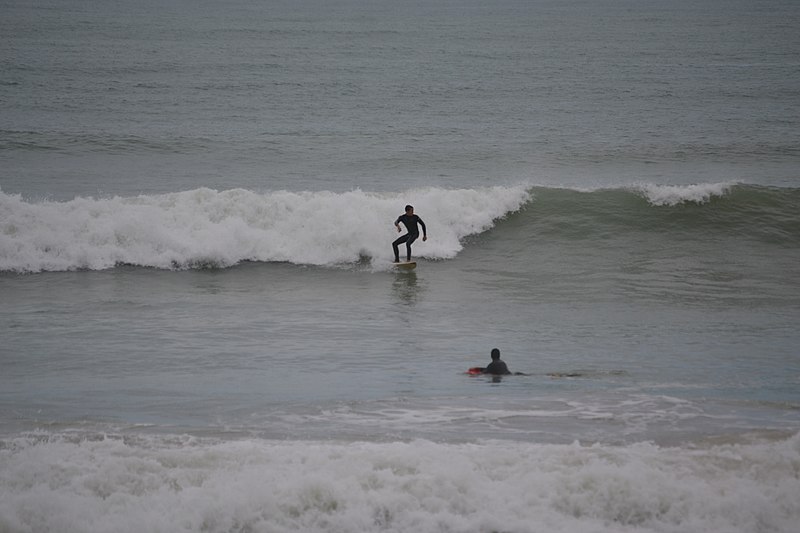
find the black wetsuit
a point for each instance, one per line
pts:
(410, 223)
(497, 368)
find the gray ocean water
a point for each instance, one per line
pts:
(201, 330)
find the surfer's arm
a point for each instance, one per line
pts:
(424, 229)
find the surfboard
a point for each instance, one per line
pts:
(406, 265)
(475, 370)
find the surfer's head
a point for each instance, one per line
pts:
(410, 209)
(495, 353)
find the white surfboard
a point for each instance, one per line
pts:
(406, 265)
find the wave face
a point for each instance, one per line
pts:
(207, 228)
(763, 213)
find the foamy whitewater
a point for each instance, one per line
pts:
(210, 228)
(133, 484)
(201, 329)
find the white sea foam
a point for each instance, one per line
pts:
(134, 484)
(206, 227)
(670, 195)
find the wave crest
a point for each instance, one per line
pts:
(672, 195)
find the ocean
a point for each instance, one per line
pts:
(201, 328)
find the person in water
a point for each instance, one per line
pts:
(497, 367)
(411, 222)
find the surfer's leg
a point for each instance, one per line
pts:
(395, 244)
(411, 238)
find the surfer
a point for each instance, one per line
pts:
(411, 222)
(497, 367)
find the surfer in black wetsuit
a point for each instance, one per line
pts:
(410, 220)
(497, 367)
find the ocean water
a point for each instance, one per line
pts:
(200, 325)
